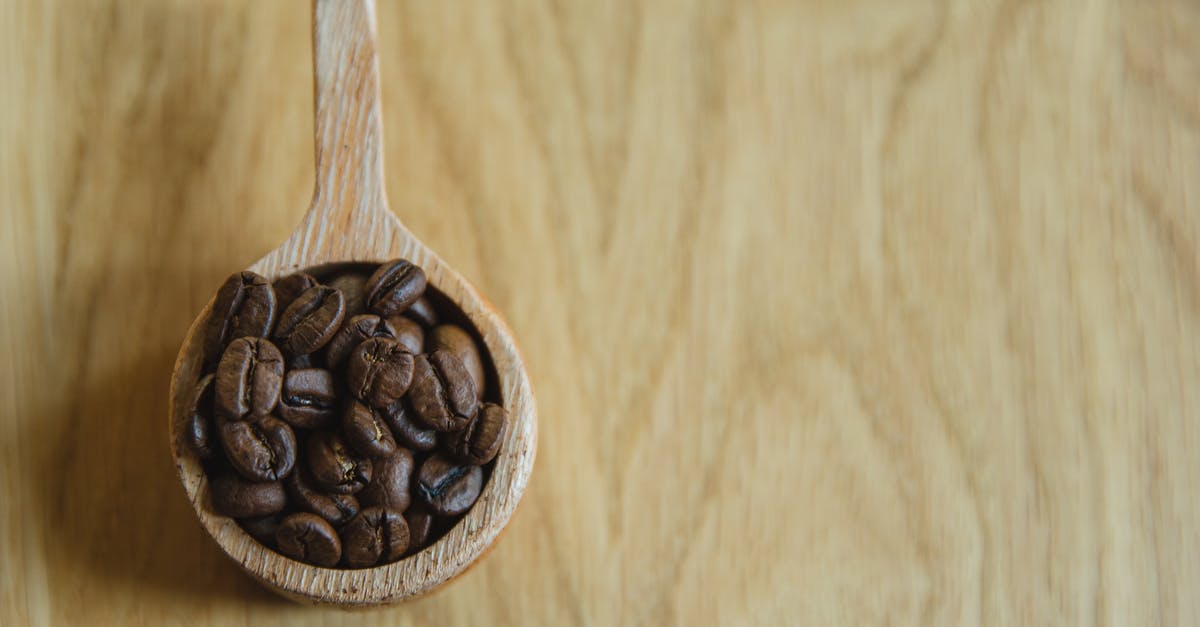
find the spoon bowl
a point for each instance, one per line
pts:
(349, 222)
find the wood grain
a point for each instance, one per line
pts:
(862, 312)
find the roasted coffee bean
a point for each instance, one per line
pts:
(390, 482)
(262, 528)
(235, 497)
(409, 333)
(262, 448)
(449, 488)
(351, 286)
(365, 431)
(454, 339)
(308, 538)
(376, 536)
(422, 311)
(248, 379)
(244, 307)
(199, 419)
(334, 466)
(311, 320)
(394, 287)
(480, 441)
(355, 331)
(379, 371)
(420, 526)
(408, 431)
(290, 287)
(308, 399)
(442, 394)
(338, 509)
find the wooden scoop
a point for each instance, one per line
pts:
(349, 221)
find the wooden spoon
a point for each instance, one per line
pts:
(349, 221)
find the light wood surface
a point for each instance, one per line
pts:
(866, 312)
(349, 221)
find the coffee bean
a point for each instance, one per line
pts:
(308, 538)
(261, 448)
(480, 441)
(290, 287)
(409, 333)
(311, 321)
(456, 340)
(199, 419)
(351, 286)
(442, 394)
(308, 398)
(420, 526)
(235, 497)
(334, 466)
(408, 431)
(423, 312)
(338, 509)
(248, 378)
(244, 307)
(447, 487)
(378, 535)
(262, 528)
(366, 433)
(379, 371)
(394, 286)
(389, 486)
(355, 331)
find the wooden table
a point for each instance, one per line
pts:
(868, 312)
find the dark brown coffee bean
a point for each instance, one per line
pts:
(334, 466)
(376, 536)
(199, 419)
(308, 538)
(379, 371)
(235, 497)
(442, 394)
(290, 287)
(244, 307)
(311, 320)
(412, 434)
(454, 339)
(365, 431)
(262, 448)
(480, 441)
(423, 312)
(308, 399)
(394, 286)
(420, 526)
(351, 286)
(303, 494)
(248, 379)
(449, 488)
(409, 333)
(262, 528)
(389, 486)
(355, 331)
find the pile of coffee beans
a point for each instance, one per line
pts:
(338, 421)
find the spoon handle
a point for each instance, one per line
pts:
(349, 130)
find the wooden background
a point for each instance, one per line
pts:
(844, 312)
